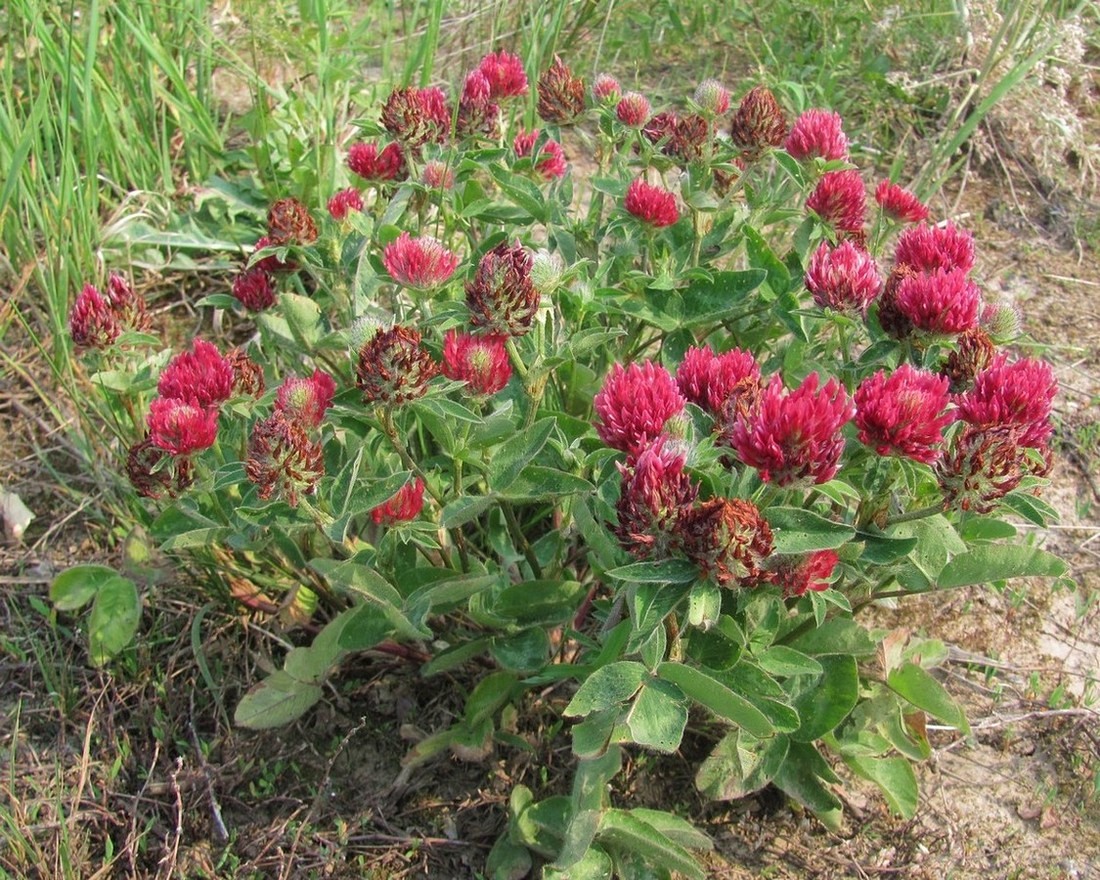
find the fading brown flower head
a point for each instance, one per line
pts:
(561, 94)
(248, 376)
(393, 367)
(984, 464)
(127, 305)
(289, 222)
(502, 297)
(153, 472)
(759, 123)
(417, 116)
(974, 353)
(728, 539)
(283, 460)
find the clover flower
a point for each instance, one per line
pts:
(181, 427)
(634, 405)
(477, 114)
(271, 263)
(437, 175)
(248, 376)
(561, 94)
(940, 301)
(653, 205)
(904, 413)
(843, 278)
(403, 506)
(682, 138)
(633, 109)
(817, 133)
(306, 400)
(201, 376)
(799, 575)
(128, 306)
(551, 156)
(367, 161)
(656, 492)
(984, 464)
(151, 476)
(927, 248)
(728, 539)
(283, 460)
(420, 263)
(479, 361)
(840, 199)
(794, 437)
(417, 116)
(93, 323)
(505, 75)
(348, 199)
(712, 97)
(708, 379)
(899, 203)
(606, 89)
(1018, 395)
(501, 296)
(974, 352)
(758, 123)
(393, 368)
(289, 222)
(255, 289)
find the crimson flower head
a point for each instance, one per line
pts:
(201, 376)
(402, 507)
(900, 203)
(393, 367)
(417, 116)
(926, 248)
(840, 199)
(633, 109)
(844, 278)
(181, 427)
(561, 94)
(93, 323)
(606, 89)
(941, 301)
(801, 574)
(501, 296)
(634, 405)
(708, 380)
(476, 88)
(728, 539)
(794, 437)
(505, 75)
(306, 400)
(551, 156)
(283, 460)
(1018, 396)
(128, 306)
(712, 97)
(477, 114)
(656, 492)
(437, 175)
(370, 163)
(817, 133)
(479, 361)
(904, 413)
(255, 289)
(289, 222)
(420, 263)
(344, 201)
(759, 123)
(652, 205)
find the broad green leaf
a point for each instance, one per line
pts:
(275, 701)
(116, 612)
(591, 736)
(542, 826)
(822, 702)
(658, 716)
(721, 298)
(880, 549)
(803, 776)
(740, 764)
(209, 537)
(837, 636)
(525, 651)
(722, 701)
(491, 693)
(607, 687)
(364, 628)
(452, 658)
(995, 562)
(508, 860)
(303, 318)
(77, 586)
(589, 800)
(704, 604)
(358, 578)
(463, 509)
(512, 456)
(674, 828)
(540, 602)
(918, 686)
(594, 865)
(781, 660)
(622, 829)
(802, 531)
(896, 779)
(937, 541)
(537, 483)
